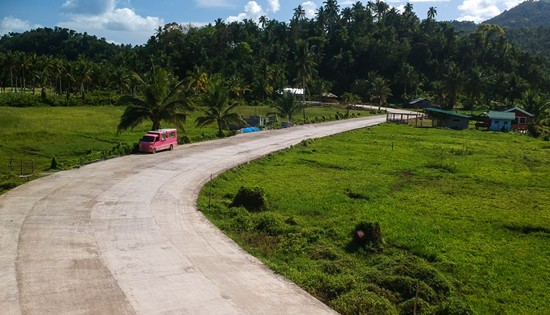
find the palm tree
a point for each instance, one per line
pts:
(452, 83)
(305, 64)
(432, 13)
(287, 105)
(473, 87)
(536, 105)
(161, 100)
(218, 107)
(380, 89)
(197, 79)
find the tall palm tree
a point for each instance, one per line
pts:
(474, 84)
(452, 83)
(305, 64)
(161, 100)
(287, 105)
(432, 13)
(218, 107)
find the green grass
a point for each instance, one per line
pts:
(465, 214)
(80, 135)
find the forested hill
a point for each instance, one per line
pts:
(373, 52)
(527, 25)
(61, 42)
(529, 14)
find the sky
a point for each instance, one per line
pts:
(134, 21)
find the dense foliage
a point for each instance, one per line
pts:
(340, 50)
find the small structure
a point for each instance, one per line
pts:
(501, 121)
(523, 118)
(420, 103)
(448, 119)
(328, 98)
(295, 91)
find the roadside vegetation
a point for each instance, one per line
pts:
(395, 219)
(50, 138)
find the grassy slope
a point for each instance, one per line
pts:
(469, 209)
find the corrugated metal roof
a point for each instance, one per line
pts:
(519, 110)
(501, 115)
(446, 112)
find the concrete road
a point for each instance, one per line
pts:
(124, 237)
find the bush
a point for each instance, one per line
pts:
(252, 199)
(54, 164)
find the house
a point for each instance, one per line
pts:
(420, 103)
(523, 118)
(500, 121)
(448, 119)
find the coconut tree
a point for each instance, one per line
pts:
(379, 89)
(161, 100)
(536, 105)
(305, 64)
(452, 82)
(218, 107)
(287, 105)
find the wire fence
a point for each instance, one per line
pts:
(17, 166)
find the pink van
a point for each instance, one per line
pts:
(156, 140)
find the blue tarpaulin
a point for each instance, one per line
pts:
(250, 129)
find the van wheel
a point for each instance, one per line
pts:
(154, 150)
(171, 147)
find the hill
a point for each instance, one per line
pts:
(531, 14)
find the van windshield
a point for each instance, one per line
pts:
(148, 139)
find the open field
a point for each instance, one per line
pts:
(465, 219)
(80, 135)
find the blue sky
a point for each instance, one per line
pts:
(134, 21)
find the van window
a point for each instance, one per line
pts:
(148, 139)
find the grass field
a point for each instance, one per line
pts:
(80, 135)
(464, 215)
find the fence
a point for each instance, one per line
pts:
(17, 166)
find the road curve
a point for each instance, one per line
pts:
(124, 237)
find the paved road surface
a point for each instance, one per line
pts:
(124, 237)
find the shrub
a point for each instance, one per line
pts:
(54, 164)
(252, 199)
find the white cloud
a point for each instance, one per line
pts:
(310, 8)
(478, 10)
(103, 18)
(87, 7)
(512, 3)
(215, 4)
(11, 24)
(274, 5)
(252, 11)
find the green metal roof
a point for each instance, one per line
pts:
(501, 115)
(445, 112)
